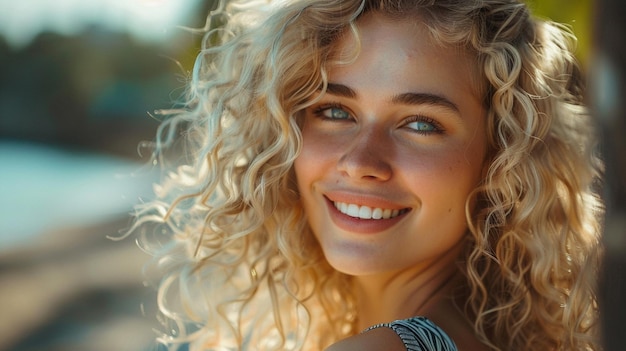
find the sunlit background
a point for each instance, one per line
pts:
(78, 82)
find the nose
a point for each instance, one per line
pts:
(367, 157)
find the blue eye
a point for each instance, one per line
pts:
(421, 126)
(332, 112)
(424, 125)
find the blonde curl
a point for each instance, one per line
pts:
(241, 268)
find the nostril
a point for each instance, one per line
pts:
(363, 163)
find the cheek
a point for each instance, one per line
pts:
(310, 161)
(300, 170)
(447, 176)
(460, 164)
(318, 150)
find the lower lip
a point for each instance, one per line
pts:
(361, 226)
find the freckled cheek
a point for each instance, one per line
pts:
(318, 147)
(451, 172)
(314, 157)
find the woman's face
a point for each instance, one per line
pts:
(391, 151)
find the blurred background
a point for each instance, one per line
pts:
(79, 81)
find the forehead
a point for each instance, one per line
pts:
(381, 41)
(405, 47)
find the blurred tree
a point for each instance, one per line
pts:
(94, 91)
(577, 14)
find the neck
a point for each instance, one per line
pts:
(412, 292)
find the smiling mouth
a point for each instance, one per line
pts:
(366, 212)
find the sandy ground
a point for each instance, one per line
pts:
(76, 290)
(63, 284)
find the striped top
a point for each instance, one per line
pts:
(420, 334)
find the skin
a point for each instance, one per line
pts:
(401, 128)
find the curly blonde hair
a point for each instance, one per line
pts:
(241, 268)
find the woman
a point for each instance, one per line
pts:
(380, 175)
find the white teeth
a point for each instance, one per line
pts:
(366, 212)
(377, 213)
(353, 210)
(387, 213)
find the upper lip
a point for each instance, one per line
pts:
(361, 199)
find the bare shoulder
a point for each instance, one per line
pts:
(450, 320)
(378, 339)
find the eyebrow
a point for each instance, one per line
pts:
(405, 98)
(340, 90)
(425, 99)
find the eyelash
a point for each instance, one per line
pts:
(319, 112)
(437, 128)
